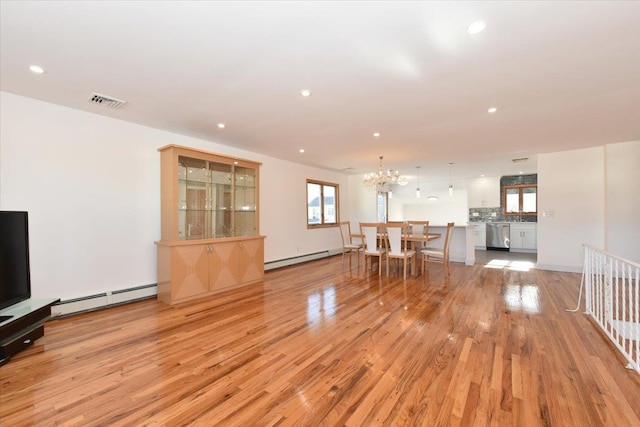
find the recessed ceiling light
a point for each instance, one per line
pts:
(301, 150)
(36, 69)
(305, 92)
(481, 175)
(476, 27)
(492, 110)
(376, 134)
(221, 125)
(520, 172)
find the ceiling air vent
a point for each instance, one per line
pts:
(107, 101)
(520, 160)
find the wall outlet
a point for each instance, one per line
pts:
(493, 214)
(475, 214)
(548, 214)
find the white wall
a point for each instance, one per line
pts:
(91, 185)
(571, 186)
(283, 209)
(362, 203)
(623, 200)
(404, 205)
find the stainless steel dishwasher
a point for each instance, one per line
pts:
(498, 236)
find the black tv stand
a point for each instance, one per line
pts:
(21, 324)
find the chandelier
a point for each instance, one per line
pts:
(383, 180)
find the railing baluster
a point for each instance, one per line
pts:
(612, 298)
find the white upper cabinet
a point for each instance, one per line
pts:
(483, 192)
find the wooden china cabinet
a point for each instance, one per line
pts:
(210, 239)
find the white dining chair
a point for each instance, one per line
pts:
(372, 249)
(396, 239)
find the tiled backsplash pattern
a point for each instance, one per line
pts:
(484, 214)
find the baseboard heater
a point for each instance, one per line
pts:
(104, 300)
(285, 262)
(124, 296)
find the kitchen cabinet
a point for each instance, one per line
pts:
(209, 224)
(483, 192)
(481, 235)
(523, 237)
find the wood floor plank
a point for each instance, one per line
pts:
(322, 345)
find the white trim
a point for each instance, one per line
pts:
(107, 299)
(563, 268)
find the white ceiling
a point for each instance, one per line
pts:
(563, 75)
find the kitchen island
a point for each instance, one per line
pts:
(463, 242)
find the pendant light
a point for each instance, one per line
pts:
(418, 187)
(450, 184)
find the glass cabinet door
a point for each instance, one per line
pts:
(244, 221)
(192, 196)
(220, 200)
(215, 199)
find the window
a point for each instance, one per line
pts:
(383, 207)
(322, 204)
(520, 200)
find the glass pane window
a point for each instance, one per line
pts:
(322, 203)
(329, 197)
(313, 204)
(513, 200)
(521, 200)
(382, 207)
(529, 200)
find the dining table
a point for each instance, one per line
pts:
(419, 240)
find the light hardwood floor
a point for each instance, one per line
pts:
(318, 344)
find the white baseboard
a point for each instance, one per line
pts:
(563, 268)
(299, 259)
(107, 299)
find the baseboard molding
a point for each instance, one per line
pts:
(104, 300)
(563, 268)
(285, 262)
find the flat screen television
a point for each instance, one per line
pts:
(15, 278)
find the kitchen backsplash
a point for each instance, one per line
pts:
(484, 215)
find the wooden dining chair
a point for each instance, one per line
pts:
(369, 232)
(395, 223)
(419, 228)
(397, 247)
(440, 255)
(348, 245)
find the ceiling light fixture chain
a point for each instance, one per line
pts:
(418, 187)
(384, 179)
(450, 183)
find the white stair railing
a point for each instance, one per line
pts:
(612, 297)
